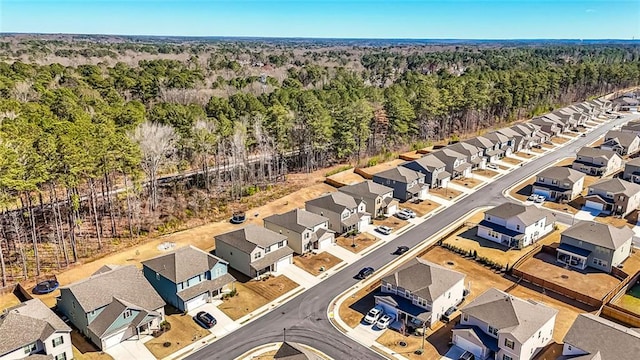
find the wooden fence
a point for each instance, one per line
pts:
(363, 173)
(620, 314)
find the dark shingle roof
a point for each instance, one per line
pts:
(247, 238)
(625, 138)
(561, 173)
(297, 220)
(367, 188)
(616, 186)
(424, 278)
(596, 335)
(182, 264)
(335, 201)
(401, 174)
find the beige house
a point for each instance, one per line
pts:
(305, 231)
(597, 162)
(614, 196)
(558, 183)
(378, 198)
(345, 213)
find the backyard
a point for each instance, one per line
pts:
(313, 263)
(254, 294)
(361, 242)
(183, 332)
(631, 300)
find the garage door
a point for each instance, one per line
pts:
(388, 309)
(364, 221)
(594, 205)
(113, 340)
(392, 209)
(545, 193)
(469, 346)
(324, 243)
(283, 263)
(196, 302)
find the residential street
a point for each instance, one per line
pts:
(305, 316)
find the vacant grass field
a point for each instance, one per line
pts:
(312, 263)
(184, 331)
(254, 294)
(362, 241)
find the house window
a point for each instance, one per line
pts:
(306, 235)
(506, 357)
(465, 317)
(30, 348)
(267, 249)
(493, 331)
(554, 182)
(257, 255)
(280, 244)
(407, 294)
(509, 343)
(449, 295)
(61, 356)
(539, 334)
(58, 341)
(127, 313)
(489, 218)
(517, 227)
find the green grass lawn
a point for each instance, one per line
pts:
(631, 300)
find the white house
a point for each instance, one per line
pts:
(497, 325)
(514, 225)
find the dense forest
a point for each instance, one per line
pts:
(85, 146)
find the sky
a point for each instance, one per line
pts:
(407, 19)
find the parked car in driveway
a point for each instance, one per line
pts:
(532, 197)
(365, 273)
(373, 315)
(540, 199)
(205, 319)
(401, 250)
(385, 230)
(446, 317)
(403, 215)
(384, 321)
(409, 212)
(492, 166)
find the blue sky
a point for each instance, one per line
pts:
(426, 19)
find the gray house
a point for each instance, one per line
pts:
(305, 231)
(626, 103)
(345, 213)
(622, 142)
(547, 125)
(597, 162)
(31, 329)
(594, 244)
(474, 154)
(517, 141)
(254, 250)
(188, 277)
(434, 170)
(378, 199)
(558, 183)
(406, 183)
(455, 163)
(112, 305)
(594, 338)
(632, 170)
(490, 150)
(632, 126)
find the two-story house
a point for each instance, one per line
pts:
(565, 117)
(474, 154)
(30, 329)
(558, 183)
(114, 304)
(454, 163)
(514, 225)
(420, 292)
(345, 213)
(188, 277)
(500, 326)
(406, 183)
(613, 196)
(531, 134)
(626, 103)
(517, 141)
(305, 231)
(597, 162)
(254, 250)
(502, 141)
(378, 198)
(622, 142)
(632, 126)
(436, 176)
(553, 128)
(594, 338)
(632, 170)
(599, 246)
(490, 150)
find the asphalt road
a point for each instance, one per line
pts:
(305, 316)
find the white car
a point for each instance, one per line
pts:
(384, 230)
(540, 199)
(409, 212)
(532, 197)
(384, 321)
(403, 215)
(492, 166)
(373, 315)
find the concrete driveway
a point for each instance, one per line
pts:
(131, 349)
(224, 324)
(454, 353)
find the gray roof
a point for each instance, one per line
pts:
(429, 162)
(424, 278)
(497, 137)
(448, 155)
(294, 351)
(204, 286)
(297, 220)
(527, 214)
(271, 258)
(545, 121)
(464, 148)
(108, 316)
(626, 101)
(123, 282)
(509, 314)
(27, 322)
(633, 162)
(607, 236)
(480, 142)
(335, 201)
(508, 132)
(594, 153)
(247, 238)
(401, 174)
(369, 188)
(561, 174)
(182, 264)
(625, 138)
(596, 335)
(616, 186)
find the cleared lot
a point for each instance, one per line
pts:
(313, 263)
(254, 294)
(467, 182)
(361, 242)
(445, 193)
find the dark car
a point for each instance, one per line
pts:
(446, 317)
(401, 250)
(205, 319)
(365, 273)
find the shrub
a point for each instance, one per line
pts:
(166, 344)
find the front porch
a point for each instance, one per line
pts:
(572, 256)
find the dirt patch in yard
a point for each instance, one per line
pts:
(597, 143)
(254, 294)
(548, 146)
(355, 307)
(445, 193)
(486, 173)
(469, 183)
(361, 241)
(392, 222)
(184, 331)
(523, 190)
(630, 220)
(84, 349)
(559, 140)
(314, 263)
(523, 154)
(422, 208)
(536, 150)
(511, 161)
